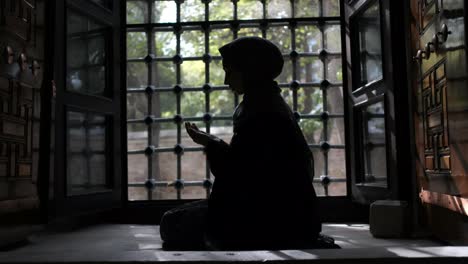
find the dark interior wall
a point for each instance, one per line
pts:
(21, 66)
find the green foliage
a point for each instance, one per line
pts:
(136, 12)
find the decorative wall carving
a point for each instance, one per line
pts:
(15, 136)
(21, 47)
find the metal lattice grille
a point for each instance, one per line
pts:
(174, 74)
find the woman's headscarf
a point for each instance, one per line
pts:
(258, 57)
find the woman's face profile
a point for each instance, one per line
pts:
(234, 79)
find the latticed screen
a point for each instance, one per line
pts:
(175, 74)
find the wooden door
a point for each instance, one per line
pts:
(440, 91)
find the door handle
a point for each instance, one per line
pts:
(421, 54)
(35, 67)
(23, 61)
(424, 53)
(444, 32)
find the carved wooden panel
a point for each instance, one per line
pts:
(435, 126)
(15, 135)
(21, 50)
(427, 11)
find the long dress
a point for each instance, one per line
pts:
(262, 197)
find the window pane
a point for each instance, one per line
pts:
(287, 96)
(164, 193)
(278, 9)
(77, 53)
(281, 36)
(164, 166)
(310, 101)
(337, 170)
(335, 100)
(307, 8)
(193, 73)
(249, 9)
(193, 104)
(319, 170)
(137, 193)
(193, 192)
(86, 55)
(217, 73)
(192, 10)
(86, 153)
(332, 38)
(308, 39)
(137, 105)
(374, 149)
(192, 43)
(164, 74)
(331, 8)
(165, 44)
(221, 10)
(136, 45)
(164, 12)
(219, 37)
(137, 75)
(164, 135)
(222, 102)
(310, 70)
(137, 136)
(249, 32)
(96, 50)
(334, 71)
(312, 130)
(164, 104)
(137, 12)
(194, 169)
(286, 75)
(370, 44)
(222, 129)
(336, 131)
(96, 79)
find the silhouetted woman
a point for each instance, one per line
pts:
(262, 197)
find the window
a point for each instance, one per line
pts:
(87, 166)
(174, 74)
(373, 143)
(370, 46)
(86, 55)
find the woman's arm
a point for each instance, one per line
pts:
(217, 150)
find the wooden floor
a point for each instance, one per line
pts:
(142, 244)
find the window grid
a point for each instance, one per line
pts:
(234, 25)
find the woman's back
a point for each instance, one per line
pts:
(267, 195)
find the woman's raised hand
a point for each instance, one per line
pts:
(197, 135)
